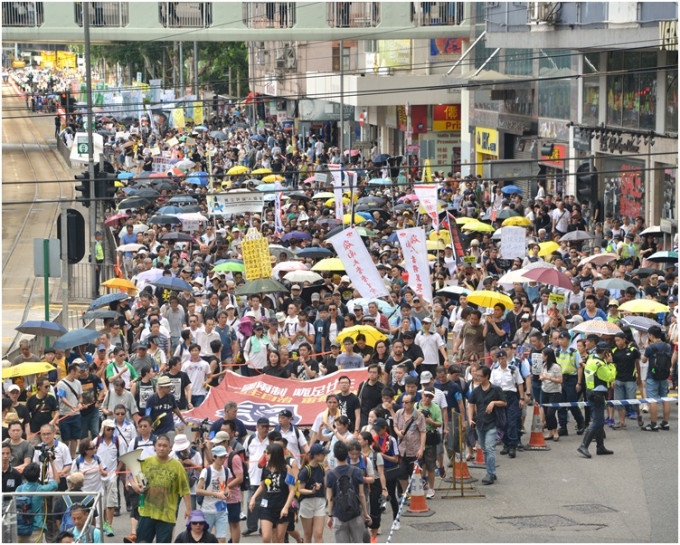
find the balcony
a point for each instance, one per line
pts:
(353, 14)
(104, 14)
(22, 14)
(185, 14)
(269, 14)
(437, 13)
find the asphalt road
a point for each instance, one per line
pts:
(553, 496)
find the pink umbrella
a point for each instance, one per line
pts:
(114, 219)
(309, 180)
(355, 152)
(289, 266)
(551, 277)
(411, 197)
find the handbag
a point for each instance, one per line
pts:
(432, 438)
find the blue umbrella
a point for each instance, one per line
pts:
(170, 210)
(76, 337)
(383, 306)
(197, 180)
(130, 190)
(510, 189)
(269, 197)
(125, 175)
(202, 173)
(201, 128)
(182, 199)
(218, 134)
(42, 328)
(240, 261)
(381, 158)
(172, 283)
(257, 137)
(107, 299)
(266, 187)
(379, 181)
(314, 252)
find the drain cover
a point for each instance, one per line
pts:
(590, 508)
(537, 521)
(436, 526)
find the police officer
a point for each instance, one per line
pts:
(572, 377)
(599, 374)
(98, 257)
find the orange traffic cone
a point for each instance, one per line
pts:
(479, 459)
(461, 471)
(536, 441)
(418, 506)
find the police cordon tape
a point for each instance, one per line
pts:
(614, 403)
(402, 502)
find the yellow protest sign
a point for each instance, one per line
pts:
(256, 255)
(471, 259)
(556, 298)
(155, 151)
(178, 118)
(172, 142)
(198, 113)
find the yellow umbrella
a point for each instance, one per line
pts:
(27, 368)
(331, 201)
(643, 306)
(442, 235)
(487, 298)
(329, 264)
(272, 178)
(347, 218)
(517, 221)
(119, 283)
(372, 334)
(478, 226)
(434, 245)
(323, 195)
(261, 171)
(238, 169)
(464, 219)
(546, 248)
(118, 183)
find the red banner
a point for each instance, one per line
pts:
(266, 396)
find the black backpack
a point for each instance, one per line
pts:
(661, 369)
(346, 496)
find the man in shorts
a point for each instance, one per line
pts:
(432, 414)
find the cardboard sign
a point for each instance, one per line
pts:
(471, 259)
(556, 298)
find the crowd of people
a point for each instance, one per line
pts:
(444, 378)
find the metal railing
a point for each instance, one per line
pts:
(269, 14)
(437, 13)
(185, 14)
(104, 14)
(22, 14)
(9, 518)
(353, 14)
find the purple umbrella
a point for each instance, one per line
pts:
(297, 235)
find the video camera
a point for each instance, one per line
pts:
(46, 453)
(201, 429)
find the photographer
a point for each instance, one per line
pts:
(433, 421)
(190, 458)
(31, 518)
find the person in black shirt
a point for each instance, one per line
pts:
(93, 393)
(412, 351)
(348, 402)
(329, 364)
(370, 393)
(627, 360)
(42, 407)
(161, 407)
(197, 530)
(398, 357)
(11, 478)
(180, 382)
(274, 367)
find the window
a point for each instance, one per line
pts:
(554, 95)
(482, 53)
(345, 58)
(19, 14)
(591, 89)
(104, 14)
(519, 62)
(672, 93)
(371, 46)
(631, 96)
(352, 14)
(185, 14)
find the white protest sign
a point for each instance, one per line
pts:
(513, 242)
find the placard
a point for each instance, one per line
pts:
(513, 242)
(556, 298)
(471, 259)
(256, 255)
(236, 202)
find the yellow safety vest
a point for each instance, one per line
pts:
(98, 251)
(567, 360)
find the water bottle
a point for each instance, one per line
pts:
(141, 499)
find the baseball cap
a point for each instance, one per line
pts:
(101, 347)
(263, 421)
(335, 344)
(576, 319)
(506, 344)
(280, 317)
(220, 437)
(525, 316)
(317, 449)
(427, 319)
(425, 377)
(316, 297)
(12, 388)
(258, 326)
(219, 451)
(295, 287)
(344, 278)
(564, 335)
(613, 303)
(501, 353)
(428, 390)
(602, 346)
(379, 423)
(287, 413)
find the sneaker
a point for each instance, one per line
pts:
(562, 432)
(664, 426)
(244, 516)
(644, 408)
(116, 512)
(520, 447)
(489, 479)
(396, 525)
(132, 538)
(650, 427)
(247, 532)
(505, 450)
(108, 530)
(430, 494)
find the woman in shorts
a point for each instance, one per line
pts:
(277, 489)
(312, 488)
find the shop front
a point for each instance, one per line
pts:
(552, 167)
(486, 147)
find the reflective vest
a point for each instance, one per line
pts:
(626, 250)
(598, 372)
(98, 251)
(567, 360)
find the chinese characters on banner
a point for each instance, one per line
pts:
(427, 195)
(278, 217)
(256, 255)
(358, 264)
(414, 247)
(337, 184)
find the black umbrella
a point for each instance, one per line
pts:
(299, 195)
(133, 202)
(506, 213)
(306, 294)
(577, 236)
(335, 231)
(371, 201)
(330, 222)
(645, 271)
(165, 220)
(177, 237)
(191, 208)
(101, 314)
(403, 206)
(381, 158)
(147, 193)
(383, 213)
(165, 186)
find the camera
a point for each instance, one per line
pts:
(426, 413)
(203, 427)
(46, 453)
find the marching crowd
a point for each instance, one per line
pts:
(443, 377)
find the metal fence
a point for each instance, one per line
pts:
(269, 14)
(104, 14)
(9, 511)
(353, 14)
(185, 14)
(22, 14)
(437, 13)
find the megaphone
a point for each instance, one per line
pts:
(132, 462)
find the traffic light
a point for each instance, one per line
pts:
(75, 225)
(104, 186)
(586, 183)
(84, 188)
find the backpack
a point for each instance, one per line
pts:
(245, 482)
(80, 460)
(66, 521)
(208, 478)
(346, 496)
(295, 428)
(661, 369)
(25, 514)
(115, 442)
(309, 480)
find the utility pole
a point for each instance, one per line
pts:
(174, 67)
(342, 104)
(230, 86)
(196, 70)
(90, 142)
(64, 263)
(181, 68)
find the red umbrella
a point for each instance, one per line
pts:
(114, 219)
(175, 172)
(551, 277)
(158, 175)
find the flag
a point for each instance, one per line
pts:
(427, 195)
(414, 248)
(455, 239)
(278, 218)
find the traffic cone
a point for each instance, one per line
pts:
(479, 459)
(418, 506)
(536, 441)
(461, 471)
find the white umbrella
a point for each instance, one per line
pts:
(139, 228)
(289, 266)
(192, 216)
(511, 277)
(131, 247)
(598, 327)
(303, 276)
(185, 164)
(147, 277)
(652, 230)
(277, 250)
(540, 264)
(453, 290)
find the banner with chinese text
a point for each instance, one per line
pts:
(414, 248)
(427, 195)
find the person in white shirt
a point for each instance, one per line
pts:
(297, 444)
(255, 446)
(560, 218)
(109, 450)
(195, 326)
(432, 344)
(255, 351)
(199, 373)
(205, 337)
